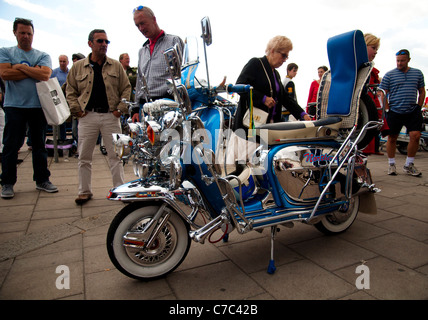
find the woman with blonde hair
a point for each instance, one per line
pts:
(268, 91)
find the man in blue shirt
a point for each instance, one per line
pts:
(405, 89)
(61, 74)
(21, 67)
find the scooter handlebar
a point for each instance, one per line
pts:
(238, 88)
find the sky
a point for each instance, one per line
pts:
(240, 29)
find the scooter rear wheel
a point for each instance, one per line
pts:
(165, 254)
(340, 220)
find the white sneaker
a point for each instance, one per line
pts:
(392, 170)
(411, 170)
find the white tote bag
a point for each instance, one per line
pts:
(53, 102)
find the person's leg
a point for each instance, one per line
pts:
(413, 123)
(88, 133)
(37, 125)
(13, 138)
(391, 145)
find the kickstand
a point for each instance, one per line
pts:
(271, 268)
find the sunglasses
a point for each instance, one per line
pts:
(102, 40)
(284, 55)
(139, 8)
(402, 52)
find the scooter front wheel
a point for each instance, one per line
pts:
(165, 254)
(340, 220)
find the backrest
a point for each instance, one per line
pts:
(341, 87)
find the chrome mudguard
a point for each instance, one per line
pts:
(186, 200)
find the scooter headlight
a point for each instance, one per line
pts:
(122, 145)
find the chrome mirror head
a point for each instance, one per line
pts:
(206, 31)
(184, 99)
(173, 60)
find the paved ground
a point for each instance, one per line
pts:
(40, 231)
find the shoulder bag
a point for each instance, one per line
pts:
(259, 116)
(53, 102)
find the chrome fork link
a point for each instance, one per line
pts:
(145, 238)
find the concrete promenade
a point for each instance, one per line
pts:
(41, 231)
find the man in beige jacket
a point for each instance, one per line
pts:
(95, 88)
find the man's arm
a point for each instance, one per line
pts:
(19, 72)
(72, 93)
(10, 74)
(41, 73)
(421, 99)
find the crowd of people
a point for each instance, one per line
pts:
(96, 85)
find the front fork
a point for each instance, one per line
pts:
(146, 238)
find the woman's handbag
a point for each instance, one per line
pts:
(53, 102)
(259, 117)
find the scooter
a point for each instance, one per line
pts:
(307, 171)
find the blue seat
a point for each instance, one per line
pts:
(347, 53)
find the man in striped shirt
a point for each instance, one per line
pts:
(151, 61)
(405, 89)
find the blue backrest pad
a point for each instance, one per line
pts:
(347, 52)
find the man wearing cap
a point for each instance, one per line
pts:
(405, 89)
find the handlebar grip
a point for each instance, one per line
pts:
(238, 88)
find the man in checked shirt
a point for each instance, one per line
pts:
(151, 61)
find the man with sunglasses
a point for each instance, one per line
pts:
(405, 90)
(21, 67)
(151, 61)
(96, 86)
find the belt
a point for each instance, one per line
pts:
(99, 110)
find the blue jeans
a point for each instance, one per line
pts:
(13, 139)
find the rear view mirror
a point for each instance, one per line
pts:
(183, 98)
(173, 60)
(206, 31)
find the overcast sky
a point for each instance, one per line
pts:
(241, 29)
